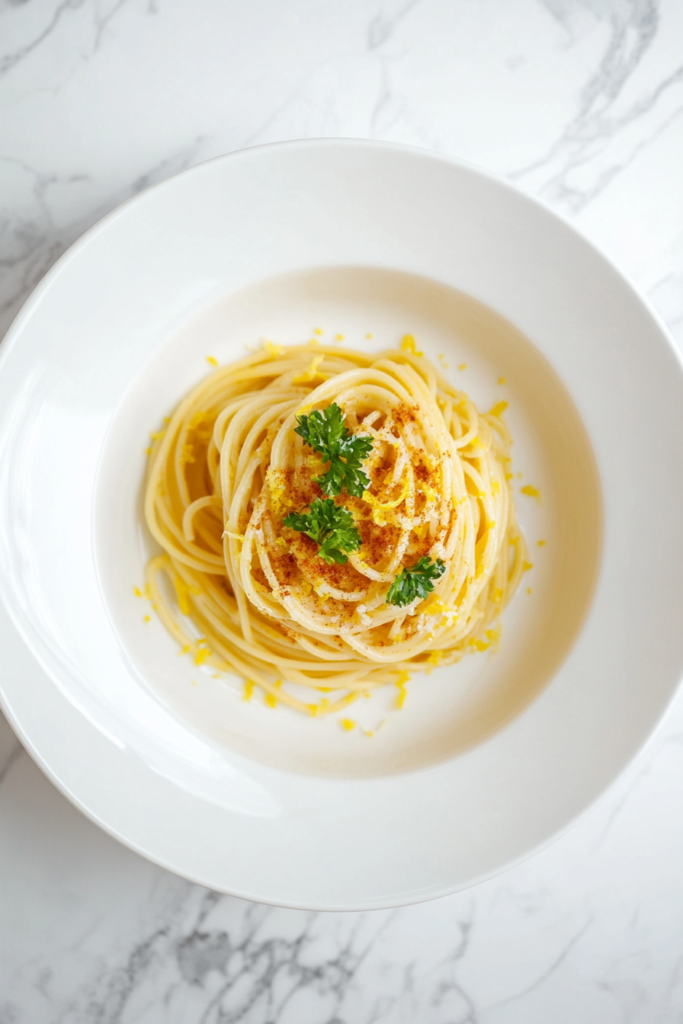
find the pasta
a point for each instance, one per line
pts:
(243, 592)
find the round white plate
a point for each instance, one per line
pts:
(488, 759)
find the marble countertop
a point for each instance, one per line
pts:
(577, 101)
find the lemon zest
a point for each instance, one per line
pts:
(408, 345)
(182, 593)
(498, 409)
(310, 373)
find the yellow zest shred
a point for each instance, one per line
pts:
(433, 606)
(248, 689)
(137, 591)
(146, 618)
(324, 689)
(369, 337)
(271, 700)
(318, 331)
(212, 361)
(201, 655)
(182, 594)
(501, 380)
(184, 650)
(531, 492)
(347, 724)
(148, 452)
(498, 409)
(463, 366)
(272, 349)
(310, 373)
(497, 595)
(380, 508)
(526, 566)
(277, 489)
(495, 487)
(408, 345)
(339, 337)
(528, 590)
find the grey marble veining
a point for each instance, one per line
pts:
(577, 101)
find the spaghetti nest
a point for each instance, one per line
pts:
(253, 596)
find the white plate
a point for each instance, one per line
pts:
(488, 759)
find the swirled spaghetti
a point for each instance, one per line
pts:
(245, 594)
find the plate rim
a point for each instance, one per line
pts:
(14, 333)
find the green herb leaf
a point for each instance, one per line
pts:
(326, 433)
(329, 525)
(417, 581)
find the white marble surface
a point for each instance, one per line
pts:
(578, 101)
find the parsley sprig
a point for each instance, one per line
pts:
(325, 431)
(329, 525)
(417, 581)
